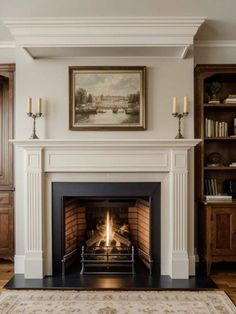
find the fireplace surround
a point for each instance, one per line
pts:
(49, 161)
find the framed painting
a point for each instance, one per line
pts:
(107, 98)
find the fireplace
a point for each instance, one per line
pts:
(49, 162)
(106, 227)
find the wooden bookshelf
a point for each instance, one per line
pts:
(216, 233)
(225, 145)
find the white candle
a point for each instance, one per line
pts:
(185, 104)
(29, 105)
(174, 105)
(39, 105)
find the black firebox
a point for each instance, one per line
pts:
(105, 227)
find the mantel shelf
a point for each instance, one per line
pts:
(140, 143)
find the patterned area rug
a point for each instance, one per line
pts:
(115, 302)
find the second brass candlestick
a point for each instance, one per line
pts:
(179, 116)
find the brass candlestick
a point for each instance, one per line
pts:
(34, 116)
(179, 116)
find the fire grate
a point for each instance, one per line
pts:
(109, 262)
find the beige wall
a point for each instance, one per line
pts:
(7, 55)
(49, 79)
(214, 55)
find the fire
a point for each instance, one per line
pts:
(108, 228)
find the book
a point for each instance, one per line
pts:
(210, 186)
(231, 99)
(218, 198)
(216, 128)
(214, 101)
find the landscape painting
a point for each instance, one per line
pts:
(111, 98)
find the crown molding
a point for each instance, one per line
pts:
(105, 32)
(215, 43)
(7, 44)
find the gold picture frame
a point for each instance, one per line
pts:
(107, 98)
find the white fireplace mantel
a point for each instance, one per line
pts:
(107, 156)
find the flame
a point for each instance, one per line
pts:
(108, 229)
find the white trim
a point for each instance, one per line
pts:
(7, 44)
(104, 31)
(120, 143)
(19, 264)
(215, 43)
(184, 52)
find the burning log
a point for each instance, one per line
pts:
(93, 240)
(120, 238)
(121, 229)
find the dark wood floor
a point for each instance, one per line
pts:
(224, 276)
(6, 272)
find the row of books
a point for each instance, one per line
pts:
(210, 186)
(212, 194)
(216, 128)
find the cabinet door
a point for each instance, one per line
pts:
(6, 224)
(6, 161)
(223, 231)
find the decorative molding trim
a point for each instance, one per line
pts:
(179, 213)
(33, 213)
(215, 43)
(104, 32)
(7, 44)
(19, 264)
(184, 52)
(119, 143)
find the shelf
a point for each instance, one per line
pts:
(220, 168)
(220, 106)
(228, 138)
(220, 203)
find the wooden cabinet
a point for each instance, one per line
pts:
(215, 160)
(6, 161)
(217, 233)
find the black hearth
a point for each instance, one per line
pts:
(106, 227)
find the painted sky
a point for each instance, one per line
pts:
(112, 84)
